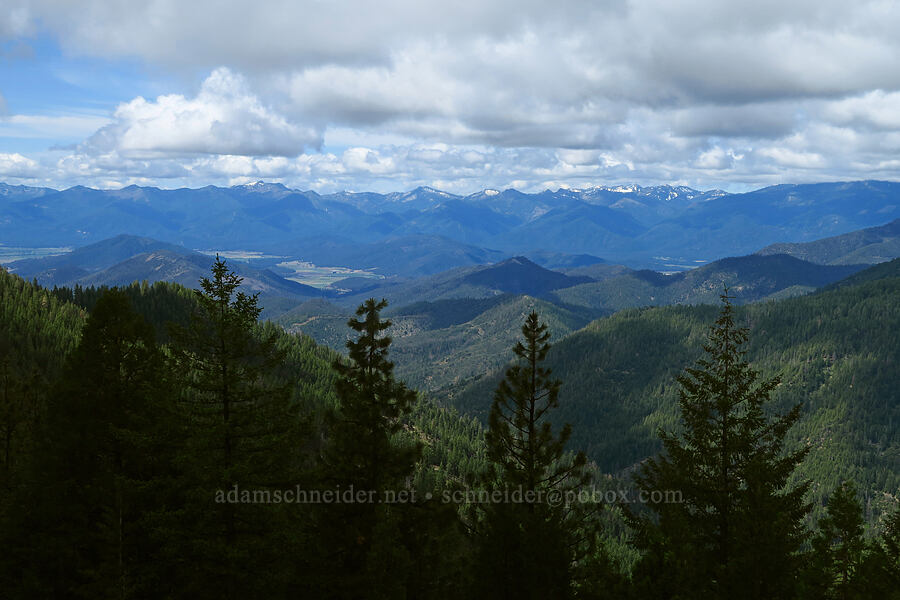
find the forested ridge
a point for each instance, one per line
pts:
(129, 414)
(835, 350)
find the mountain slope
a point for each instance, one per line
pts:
(866, 246)
(187, 270)
(125, 258)
(516, 275)
(59, 270)
(742, 223)
(577, 227)
(883, 270)
(436, 344)
(407, 256)
(836, 351)
(749, 278)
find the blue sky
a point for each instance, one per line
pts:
(347, 94)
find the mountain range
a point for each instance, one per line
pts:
(633, 225)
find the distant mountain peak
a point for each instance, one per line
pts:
(262, 186)
(424, 189)
(624, 189)
(519, 275)
(519, 260)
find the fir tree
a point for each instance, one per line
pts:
(362, 549)
(880, 570)
(530, 541)
(240, 429)
(839, 545)
(101, 466)
(878, 573)
(737, 530)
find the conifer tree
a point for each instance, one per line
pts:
(880, 570)
(839, 546)
(242, 431)
(361, 543)
(12, 422)
(529, 540)
(101, 466)
(738, 528)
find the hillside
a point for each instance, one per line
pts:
(80, 262)
(38, 330)
(883, 270)
(866, 246)
(126, 258)
(576, 227)
(742, 223)
(750, 278)
(836, 351)
(558, 261)
(187, 270)
(516, 275)
(41, 327)
(407, 256)
(439, 343)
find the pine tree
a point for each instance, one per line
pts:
(241, 430)
(880, 570)
(874, 565)
(363, 553)
(738, 529)
(840, 545)
(529, 541)
(101, 466)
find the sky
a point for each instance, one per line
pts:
(465, 95)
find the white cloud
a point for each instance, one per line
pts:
(715, 158)
(16, 166)
(51, 127)
(791, 158)
(876, 109)
(224, 118)
(402, 92)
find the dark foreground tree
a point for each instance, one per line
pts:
(100, 468)
(843, 565)
(241, 433)
(531, 540)
(736, 529)
(880, 570)
(838, 548)
(361, 543)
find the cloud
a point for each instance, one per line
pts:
(874, 110)
(405, 92)
(16, 19)
(715, 158)
(224, 118)
(51, 127)
(16, 166)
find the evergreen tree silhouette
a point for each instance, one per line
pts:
(738, 526)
